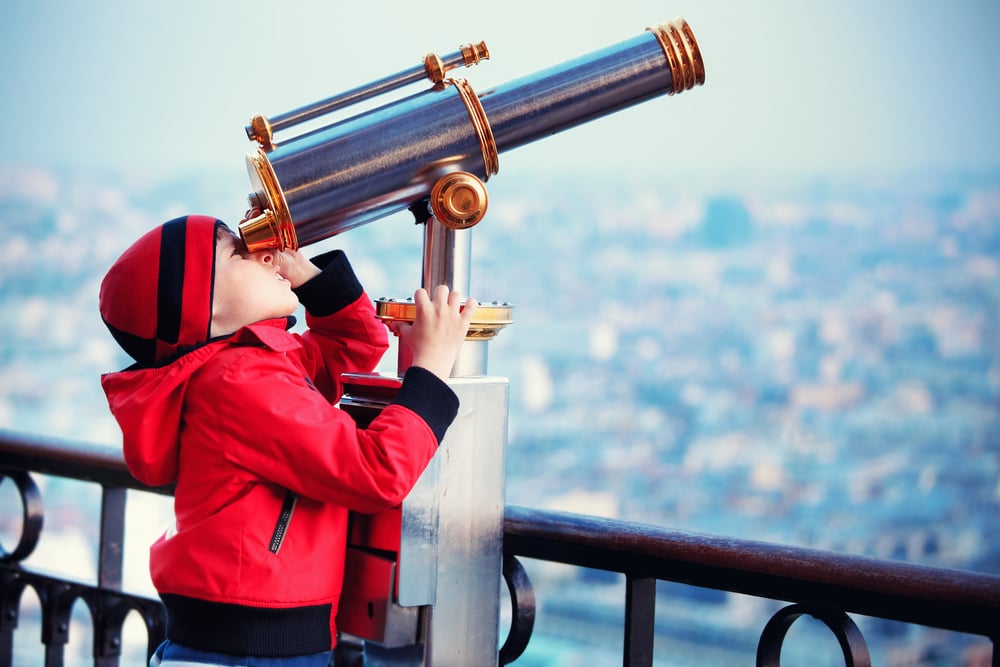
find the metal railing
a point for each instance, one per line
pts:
(822, 584)
(109, 605)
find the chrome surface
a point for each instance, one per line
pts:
(467, 56)
(357, 170)
(447, 260)
(447, 257)
(468, 499)
(473, 359)
(376, 163)
(577, 91)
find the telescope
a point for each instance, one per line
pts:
(440, 145)
(421, 582)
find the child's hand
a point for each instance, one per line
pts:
(295, 267)
(438, 329)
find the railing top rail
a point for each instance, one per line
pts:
(73, 460)
(940, 597)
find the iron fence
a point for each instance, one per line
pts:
(826, 585)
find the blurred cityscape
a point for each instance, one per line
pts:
(810, 362)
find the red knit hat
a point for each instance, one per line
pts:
(157, 297)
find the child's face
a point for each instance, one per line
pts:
(247, 287)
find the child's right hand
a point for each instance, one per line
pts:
(295, 267)
(438, 329)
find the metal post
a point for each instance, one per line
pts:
(468, 485)
(640, 612)
(447, 261)
(109, 566)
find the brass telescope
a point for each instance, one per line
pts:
(442, 143)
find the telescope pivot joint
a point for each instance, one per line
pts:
(458, 200)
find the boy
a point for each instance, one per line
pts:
(238, 413)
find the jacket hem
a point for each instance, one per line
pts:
(242, 630)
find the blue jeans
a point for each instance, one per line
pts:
(171, 654)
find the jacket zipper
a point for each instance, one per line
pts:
(281, 529)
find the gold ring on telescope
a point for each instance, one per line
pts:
(687, 69)
(273, 228)
(488, 145)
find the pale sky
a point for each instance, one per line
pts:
(792, 85)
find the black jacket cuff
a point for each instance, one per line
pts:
(335, 288)
(432, 399)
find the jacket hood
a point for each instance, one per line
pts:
(148, 402)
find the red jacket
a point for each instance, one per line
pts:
(266, 469)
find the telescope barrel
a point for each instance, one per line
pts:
(383, 160)
(583, 89)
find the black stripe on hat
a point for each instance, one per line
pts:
(211, 291)
(170, 282)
